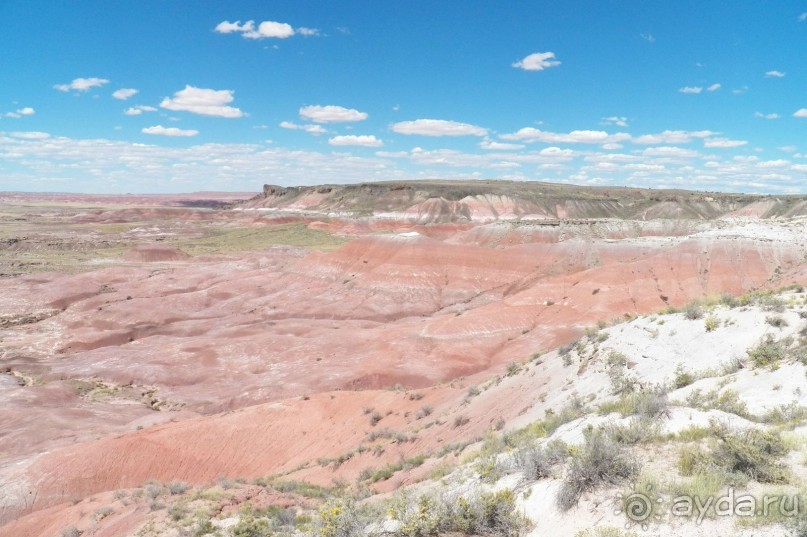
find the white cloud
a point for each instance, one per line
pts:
(803, 17)
(137, 110)
(671, 137)
(611, 146)
(312, 129)
(206, 102)
(437, 127)
(722, 143)
(278, 30)
(266, 29)
(103, 165)
(619, 121)
(648, 37)
(499, 146)
(331, 114)
(226, 27)
(30, 135)
(537, 61)
(774, 74)
(531, 134)
(740, 91)
(788, 148)
(27, 111)
(392, 154)
(168, 131)
(766, 116)
(124, 93)
(691, 89)
(669, 152)
(353, 140)
(802, 112)
(714, 87)
(767, 164)
(82, 84)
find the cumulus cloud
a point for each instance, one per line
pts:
(312, 129)
(537, 61)
(803, 17)
(206, 102)
(619, 121)
(714, 87)
(766, 116)
(691, 89)
(82, 84)
(227, 27)
(88, 165)
(20, 112)
(669, 152)
(802, 112)
(774, 74)
(648, 37)
(353, 140)
(437, 127)
(124, 93)
(722, 143)
(331, 114)
(168, 131)
(531, 134)
(30, 135)
(266, 29)
(137, 110)
(671, 137)
(780, 163)
(499, 146)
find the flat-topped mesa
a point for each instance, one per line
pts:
(429, 201)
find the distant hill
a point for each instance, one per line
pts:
(480, 201)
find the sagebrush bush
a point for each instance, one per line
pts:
(693, 310)
(477, 514)
(532, 462)
(341, 518)
(636, 431)
(777, 321)
(769, 350)
(177, 487)
(600, 461)
(682, 377)
(754, 453)
(738, 456)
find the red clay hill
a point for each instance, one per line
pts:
(244, 338)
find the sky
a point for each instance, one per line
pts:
(180, 96)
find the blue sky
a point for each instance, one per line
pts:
(133, 96)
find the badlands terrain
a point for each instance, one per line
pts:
(407, 359)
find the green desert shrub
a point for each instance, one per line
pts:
(693, 311)
(682, 377)
(769, 350)
(600, 461)
(177, 487)
(536, 462)
(637, 430)
(426, 515)
(341, 518)
(738, 456)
